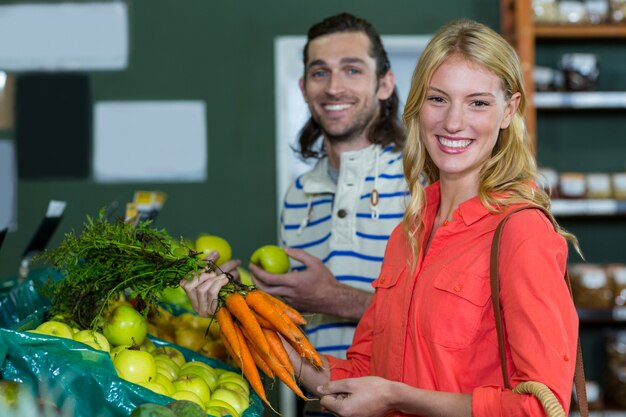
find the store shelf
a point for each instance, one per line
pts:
(612, 317)
(580, 100)
(570, 30)
(588, 207)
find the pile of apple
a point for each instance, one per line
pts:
(162, 369)
(200, 334)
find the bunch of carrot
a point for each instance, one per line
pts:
(250, 324)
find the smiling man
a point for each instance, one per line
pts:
(336, 219)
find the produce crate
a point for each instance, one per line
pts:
(69, 371)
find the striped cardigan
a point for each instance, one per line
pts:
(337, 223)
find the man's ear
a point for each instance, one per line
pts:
(302, 89)
(386, 85)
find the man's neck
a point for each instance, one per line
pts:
(334, 150)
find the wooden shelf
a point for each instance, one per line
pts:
(546, 31)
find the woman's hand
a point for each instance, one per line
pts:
(355, 397)
(203, 290)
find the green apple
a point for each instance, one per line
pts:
(195, 384)
(94, 339)
(125, 326)
(234, 386)
(171, 352)
(188, 396)
(176, 296)
(117, 349)
(147, 345)
(244, 276)
(271, 258)
(165, 382)
(208, 375)
(205, 244)
(220, 408)
(235, 399)
(155, 387)
(135, 365)
(55, 328)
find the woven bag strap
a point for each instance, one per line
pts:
(579, 375)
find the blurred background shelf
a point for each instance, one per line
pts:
(580, 100)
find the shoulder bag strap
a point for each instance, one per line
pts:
(579, 375)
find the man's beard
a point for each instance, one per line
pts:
(361, 125)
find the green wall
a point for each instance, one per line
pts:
(220, 53)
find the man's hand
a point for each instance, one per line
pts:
(314, 289)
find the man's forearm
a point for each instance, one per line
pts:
(346, 302)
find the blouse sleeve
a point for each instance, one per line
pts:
(539, 318)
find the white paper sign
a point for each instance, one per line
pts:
(8, 186)
(64, 36)
(148, 141)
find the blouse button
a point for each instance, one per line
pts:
(458, 287)
(342, 213)
(566, 358)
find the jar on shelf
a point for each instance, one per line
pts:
(618, 180)
(617, 10)
(615, 385)
(617, 276)
(572, 185)
(591, 287)
(548, 179)
(598, 185)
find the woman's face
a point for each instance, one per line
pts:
(464, 110)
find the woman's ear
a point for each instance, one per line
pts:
(510, 110)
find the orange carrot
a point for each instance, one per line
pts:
(289, 311)
(260, 362)
(283, 375)
(262, 322)
(238, 307)
(307, 351)
(278, 350)
(249, 366)
(227, 328)
(271, 313)
(229, 350)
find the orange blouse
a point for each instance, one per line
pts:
(434, 328)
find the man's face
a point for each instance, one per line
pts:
(341, 87)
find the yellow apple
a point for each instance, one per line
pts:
(235, 399)
(55, 328)
(171, 352)
(166, 366)
(188, 396)
(117, 349)
(190, 338)
(220, 408)
(234, 386)
(244, 276)
(125, 326)
(155, 387)
(94, 339)
(205, 244)
(147, 345)
(271, 258)
(195, 384)
(214, 349)
(209, 376)
(165, 382)
(135, 365)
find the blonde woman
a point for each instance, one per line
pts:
(427, 344)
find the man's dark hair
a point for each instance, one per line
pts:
(388, 128)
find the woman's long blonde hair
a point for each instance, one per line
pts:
(508, 177)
